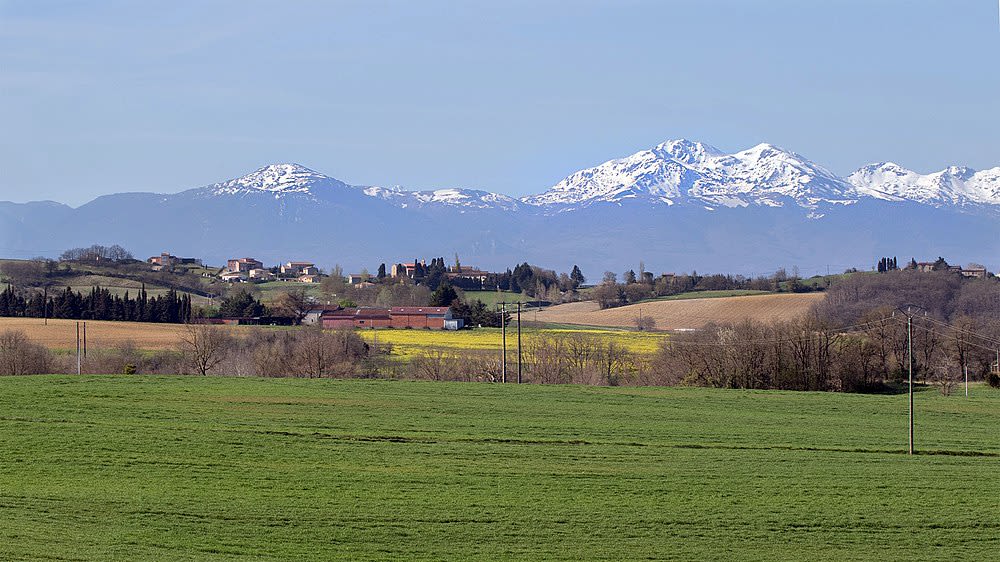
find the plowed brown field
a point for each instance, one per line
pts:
(684, 314)
(61, 334)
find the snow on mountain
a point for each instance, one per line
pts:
(662, 173)
(452, 197)
(674, 172)
(952, 186)
(770, 176)
(282, 180)
(680, 170)
(277, 179)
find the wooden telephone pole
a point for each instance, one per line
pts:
(518, 342)
(503, 342)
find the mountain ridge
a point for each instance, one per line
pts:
(683, 203)
(674, 172)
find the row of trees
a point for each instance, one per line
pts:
(537, 282)
(854, 340)
(523, 278)
(98, 304)
(889, 264)
(943, 295)
(98, 253)
(809, 354)
(644, 285)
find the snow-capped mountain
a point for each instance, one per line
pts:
(295, 180)
(278, 180)
(676, 172)
(663, 173)
(681, 204)
(685, 171)
(955, 185)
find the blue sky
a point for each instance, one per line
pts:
(104, 97)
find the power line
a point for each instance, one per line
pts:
(963, 330)
(953, 338)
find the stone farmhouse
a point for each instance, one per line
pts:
(243, 265)
(166, 259)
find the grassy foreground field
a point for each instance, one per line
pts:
(689, 313)
(175, 468)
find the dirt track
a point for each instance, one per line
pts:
(685, 314)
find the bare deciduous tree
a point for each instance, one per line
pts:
(435, 364)
(205, 347)
(548, 360)
(645, 323)
(21, 356)
(293, 304)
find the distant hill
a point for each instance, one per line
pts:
(130, 277)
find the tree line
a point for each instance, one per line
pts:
(643, 285)
(97, 304)
(854, 340)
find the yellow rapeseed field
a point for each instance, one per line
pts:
(414, 342)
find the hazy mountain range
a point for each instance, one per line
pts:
(678, 206)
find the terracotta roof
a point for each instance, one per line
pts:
(364, 313)
(418, 310)
(324, 307)
(373, 313)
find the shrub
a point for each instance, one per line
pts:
(993, 379)
(21, 356)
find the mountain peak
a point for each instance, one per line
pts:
(955, 185)
(682, 170)
(280, 177)
(283, 178)
(686, 151)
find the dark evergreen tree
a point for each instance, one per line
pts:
(444, 295)
(241, 304)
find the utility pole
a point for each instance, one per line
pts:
(518, 342)
(84, 340)
(909, 360)
(503, 342)
(966, 380)
(78, 365)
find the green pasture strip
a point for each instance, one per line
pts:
(193, 468)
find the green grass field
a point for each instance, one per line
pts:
(711, 294)
(175, 468)
(273, 289)
(491, 298)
